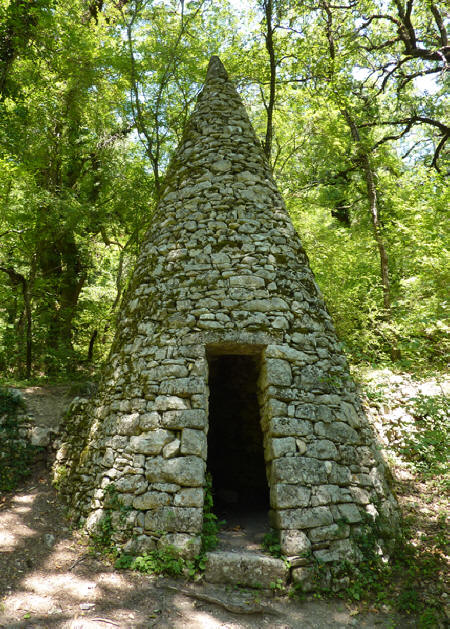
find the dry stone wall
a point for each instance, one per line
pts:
(223, 272)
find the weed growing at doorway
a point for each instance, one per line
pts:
(16, 453)
(211, 524)
(271, 543)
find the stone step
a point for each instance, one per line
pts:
(248, 569)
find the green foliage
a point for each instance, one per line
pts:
(211, 524)
(91, 108)
(271, 543)
(16, 453)
(396, 582)
(166, 560)
(102, 538)
(428, 449)
(278, 586)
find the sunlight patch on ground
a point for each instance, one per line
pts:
(12, 532)
(68, 583)
(113, 580)
(26, 602)
(25, 499)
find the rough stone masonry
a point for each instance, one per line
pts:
(223, 273)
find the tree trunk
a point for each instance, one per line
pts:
(268, 10)
(17, 278)
(372, 195)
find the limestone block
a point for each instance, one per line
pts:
(348, 455)
(332, 531)
(361, 496)
(350, 512)
(221, 166)
(338, 551)
(279, 447)
(337, 431)
(171, 402)
(289, 426)
(322, 449)
(174, 520)
(209, 325)
(171, 371)
(294, 542)
(142, 544)
(93, 520)
(366, 456)
(193, 442)
(275, 408)
(258, 305)
(244, 568)
(277, 372)
(220, 259)
(127, 424)
(306, 578)
(172, 449)
(287, 353)
(249, 282)
(188, 545)
(138, 460)
(170, 488)
(301, 470)
(284, 496)
(187, 471)
(306, 411)
(280, 323)
(131, 484)
(303, 518)
(182, 387)
(377, 478)
(189, 497)
(187, 418)
(338, 474)
(151, 500)
(329, 494)
(151, 442)
(350, 414)
(108, 457)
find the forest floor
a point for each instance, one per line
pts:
(49, 577)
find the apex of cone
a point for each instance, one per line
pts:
(216, 69)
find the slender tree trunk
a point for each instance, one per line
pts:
(91, 345)
(15, 279)
(268, 10)
(372, 195)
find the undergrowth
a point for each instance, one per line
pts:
(428, 448)
(402, 582)
(271, 543)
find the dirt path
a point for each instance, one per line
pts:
(48, 579)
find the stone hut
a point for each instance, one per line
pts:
(225, 359)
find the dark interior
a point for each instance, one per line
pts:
(235, 442)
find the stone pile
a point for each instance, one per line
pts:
(222, 273)
(389, 400)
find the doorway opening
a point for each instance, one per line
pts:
(235, 440)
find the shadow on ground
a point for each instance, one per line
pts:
(49, 580)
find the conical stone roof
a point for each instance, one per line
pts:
(222, 272)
